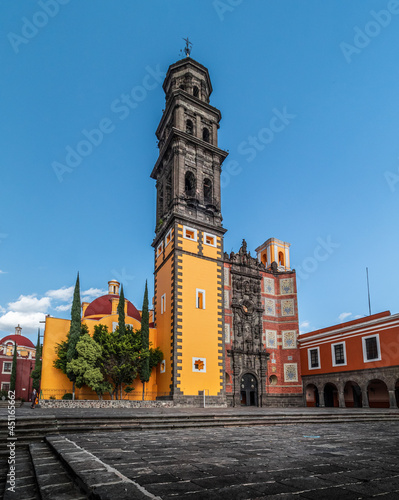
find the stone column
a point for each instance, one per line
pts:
(321, 398)
(365, 400)
(341, 398)
(392, 400)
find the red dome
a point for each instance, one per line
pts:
(103, 307)
(19, 340)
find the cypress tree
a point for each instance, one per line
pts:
(75, 329)
(37, 372)
(145, 370)
(13, 378)
(121, 313)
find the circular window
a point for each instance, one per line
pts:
(273, 380)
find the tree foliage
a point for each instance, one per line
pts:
(76, 321)
(121, 313)
(85, 366)
(145, 370)
(37, 371)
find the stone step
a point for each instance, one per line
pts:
(99, 480)
(25, 486)
(53, 479)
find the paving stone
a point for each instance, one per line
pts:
(179, 488)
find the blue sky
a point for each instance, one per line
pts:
(327, 182)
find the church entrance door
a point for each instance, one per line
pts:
(249, 390)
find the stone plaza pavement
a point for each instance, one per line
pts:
(348, 460)
(343, 461)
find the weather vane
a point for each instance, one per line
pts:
(187, 48)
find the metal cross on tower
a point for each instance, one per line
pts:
(188, 47)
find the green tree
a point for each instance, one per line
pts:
(37, 371)
(85, 366)
(120, 359)
(145, 370)
(121, 313)
(13, 378)
(74, 332)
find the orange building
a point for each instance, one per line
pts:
(103, 310)
(354, 364)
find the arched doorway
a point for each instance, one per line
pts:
(378, 394)
(353, 395)
(312, 395)
(249, 390)
(331, 395)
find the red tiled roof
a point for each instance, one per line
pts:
(103, 307)
(20, 340)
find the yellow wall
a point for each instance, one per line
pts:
(201, 329)
(55, 383)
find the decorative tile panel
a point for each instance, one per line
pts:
(271, 339)
(287, 307)
(286, 286)
(226, 299)
(268, 285)
(270, 307)
(289, 339)
(290, 372)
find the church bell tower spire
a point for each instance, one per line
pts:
(189, 237)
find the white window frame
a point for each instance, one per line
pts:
(211, 236)
(168, 235)
(201, 359)
(185, 229)
(4, 371)
(163, 303)
(159, 249)
(318, 357)
(365, 360)
(227, 333)
(197, 292)
(334, 363)
(162, 366)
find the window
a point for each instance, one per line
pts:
(209, 239)
(199, 365)
(189, 184)
(280, 259)
(371, 348)
(200, 302)
(168, 238)
(162, 367)
(5, 386)
(195, 92)
(159, 249)
(163, 303)
(338, 352)
(314, 358)
(189, 233)
(207, 191)
(7, 367)
(189, 127)
(205, 135)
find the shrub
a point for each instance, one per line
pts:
(67, 395)
(52, 397)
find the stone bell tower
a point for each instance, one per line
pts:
(189, 238)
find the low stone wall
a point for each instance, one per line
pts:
(85, 403)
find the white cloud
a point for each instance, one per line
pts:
(30, 304)
(30, 321)
(63, 294)
(3, 272)
(65, 307)
(304, 324)
(343, 316)
(358, 316)
(2, 310)
(92, 293)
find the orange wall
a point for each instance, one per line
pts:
(389, 344)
